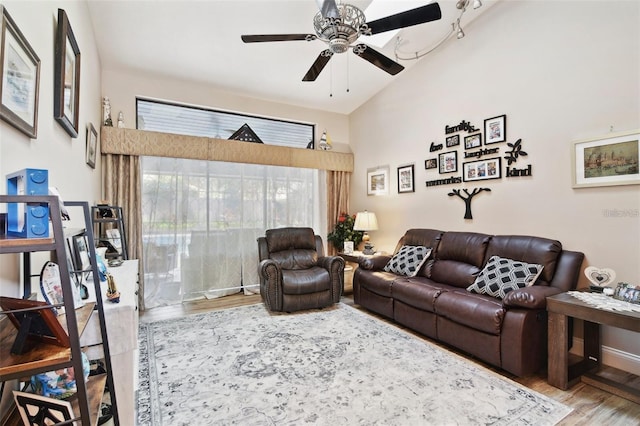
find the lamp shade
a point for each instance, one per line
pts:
(365, 221)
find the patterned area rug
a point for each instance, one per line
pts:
(335, 366)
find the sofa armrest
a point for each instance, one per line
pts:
(374, 263)
(567, 271)
(534, 297)
(335, 266)
(270, 279)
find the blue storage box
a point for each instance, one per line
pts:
(30, 220)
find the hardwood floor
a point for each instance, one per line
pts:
(591, 406)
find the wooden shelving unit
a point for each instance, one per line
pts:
(47, 357)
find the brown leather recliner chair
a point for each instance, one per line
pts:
(294, 272)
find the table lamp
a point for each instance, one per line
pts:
(366, 221)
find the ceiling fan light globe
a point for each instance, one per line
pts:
(340, 32)
(339, 45)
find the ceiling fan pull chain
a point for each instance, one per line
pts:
(331, 80)
(348, 81)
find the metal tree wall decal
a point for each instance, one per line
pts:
(467, 199)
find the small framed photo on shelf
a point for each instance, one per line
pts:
(608, 161)
(452, 141)
(431, 163)
(114, 237)
(495, 129)
(448, 162)
(347, 247)
(406, 179)
(66, 86)
(481, 170)
(81, 253)
(20, 70)
(378, 181)
(473, 141)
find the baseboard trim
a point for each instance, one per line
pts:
(612, 357)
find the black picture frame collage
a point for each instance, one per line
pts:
(461, 141)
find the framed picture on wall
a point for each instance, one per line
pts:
(431, 163)
(606, 161)
(453, 141)
(448, 162)
(66, 85)
(20, 70)
(495, 129)
(378, 181)
(481, 170)
(92, 146)
(473, 141)
(406, 179)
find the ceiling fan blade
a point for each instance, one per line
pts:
(328, 8)
(377, 59)
(420, 15)
(259, 38)
(319, 64)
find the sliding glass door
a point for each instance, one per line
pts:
(201, 220)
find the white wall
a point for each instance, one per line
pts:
(122, 88)
(561, 71)
(53, 149)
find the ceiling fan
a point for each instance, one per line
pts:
(340, 26)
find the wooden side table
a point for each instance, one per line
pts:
(351, 261)
(562, 375)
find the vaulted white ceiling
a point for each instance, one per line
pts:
(199, 40)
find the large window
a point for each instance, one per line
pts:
(188, 120)
(201, 220)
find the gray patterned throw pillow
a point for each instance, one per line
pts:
(501, 275)
(408, 260)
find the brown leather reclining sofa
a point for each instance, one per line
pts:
(509, 333)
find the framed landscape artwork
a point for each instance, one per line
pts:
(66, 86)
(20, 70)
(378, 181)
(406, 179)
(608, 161)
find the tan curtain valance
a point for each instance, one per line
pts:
(115, 140)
